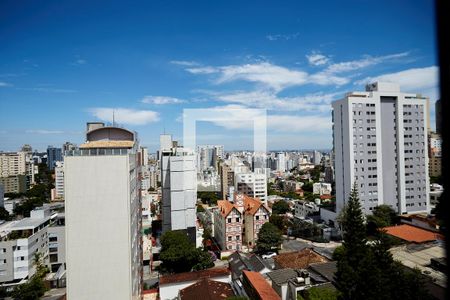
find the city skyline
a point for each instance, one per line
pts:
(66, 64)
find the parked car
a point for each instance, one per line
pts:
(269, 255)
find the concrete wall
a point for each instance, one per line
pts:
(99, 204)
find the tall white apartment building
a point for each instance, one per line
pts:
(179, 187)
(281, 162)
(317, 157)
(252, 184)
(103, 216)
(59, 180)
(208, 155)
(380, 143)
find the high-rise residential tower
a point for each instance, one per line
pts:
(380, 144)
(179, 187)
(53, 155)
(103, 216)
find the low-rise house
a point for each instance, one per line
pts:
(292, 185)
(206, 289)
(238, 262)
(302, 209)
(288, 283)
(322, 188)
(237, 223)
(257, 288)
(413, 234)
(170, 285)
(298, 259)
(423, 221)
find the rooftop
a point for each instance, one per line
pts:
(225, 207)
(107, 144)
(207, 289)
(419, 256)
(281, 276)
(261, 286)
(413, 234)
(326, 270)
(28, 223)
(192, 276)
(298, 259)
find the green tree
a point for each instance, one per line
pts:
(355, 257)
(316, 293)
(207, 234)
(279, 221)
(382, 216)
(280, 207)
(4, 214)
(178, 253)
(208, 197)
(34, 288)
(269, 238)
(203, 260)
(367, 270)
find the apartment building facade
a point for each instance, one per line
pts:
(179, 187)
(103, 216)
(435, 154)
(380, 139)
(251, 184)
(19, 242)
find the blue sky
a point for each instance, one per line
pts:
(63, 64)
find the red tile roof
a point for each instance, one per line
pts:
(191, 276)
(208, 290)
(264, 290)
(251, 205)
(413, 234)
(298, 259)
(225, 207)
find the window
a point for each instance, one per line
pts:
(237, 220)
(229, 220)
(257, 217)
(229, 238)
(238, 238)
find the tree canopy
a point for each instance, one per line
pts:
(269, 238)
(280, 207)
(178, 253)
(367, 270)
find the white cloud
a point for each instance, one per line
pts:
(277, 77)
(161, 100)
(125, 115)
(203, 70)
(411, 80)
(270, 75)
(4, 84)
(184, 63)
(317, 59)
(44, 131)
(362, 63)
(286, 37)
(318, 102)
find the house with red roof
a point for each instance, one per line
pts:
(237, 223)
